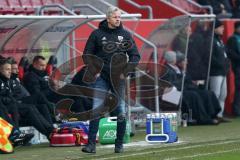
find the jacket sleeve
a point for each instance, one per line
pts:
(32, 85)
(134, 57)
(215, 58)
(90, 46)
(232, 48)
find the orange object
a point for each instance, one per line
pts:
(5, 131)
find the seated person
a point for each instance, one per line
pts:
(22, 95)
(20, 111)
(16, 137)
(36, 80)
(204, 104)
(81, 104)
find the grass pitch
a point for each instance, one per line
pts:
(220, 142)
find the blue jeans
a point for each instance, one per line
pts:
(102, 84)
(119, 111)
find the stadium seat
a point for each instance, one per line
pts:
(52, 62)
(27, 5)
(46, 2)
(16, 7)
(22, 67)
(36, 3)
(4, 7)
(59, 2)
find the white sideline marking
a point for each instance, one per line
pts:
(203, 154)
(173, 149)
(141, 144)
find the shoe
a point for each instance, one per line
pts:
(223, 120)
(89, 148)
(214, 122)
(22, 139)
(118, 148)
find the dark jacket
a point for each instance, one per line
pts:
(36, 81)
(105, 42)
(18, 90)
(233, 48)
(6, 95)
(219, 62)
(216, 5)
(176, 79)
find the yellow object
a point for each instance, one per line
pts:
(5, 131)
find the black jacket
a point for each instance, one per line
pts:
(176, 79)
(36, 81)
(18, 91)
(216, 5)
(6, 94)
(233, 47)
(219, 62)
(105, 42)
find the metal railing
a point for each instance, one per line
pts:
(77, 6)
(174, 6)
(208, 7)
(61, 8)
(149, 8)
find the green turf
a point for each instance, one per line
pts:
(220, 142)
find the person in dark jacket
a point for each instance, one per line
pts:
(219, 67)
(16, 137)
(221, 8)
(23, 96)
(233, 47)
(203, 104)
(81, 104)
(36, 80)
(20, 111)
(109, 40)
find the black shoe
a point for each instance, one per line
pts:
(223, 120)
(22, 139)
(214, 122)
(118, 148)
(89, 148)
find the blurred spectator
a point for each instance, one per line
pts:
(236, 8)
(198, 49)
(203, 103)
(222, 8)
(179, 43)
(233, 46)
(219, 67)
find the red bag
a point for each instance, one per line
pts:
(68, 137)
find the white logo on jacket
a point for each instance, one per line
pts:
(120, 38)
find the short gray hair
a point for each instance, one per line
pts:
(170, 56)
(111, 10)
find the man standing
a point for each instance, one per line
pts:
(219, 68)
(233, 46)
(110, 33)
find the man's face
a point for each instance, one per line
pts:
(114, 20)
(219, 30)
(6, 70)
(14, 68)
(40, 65)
